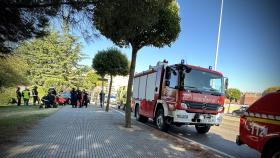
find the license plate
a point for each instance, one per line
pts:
(207, 116)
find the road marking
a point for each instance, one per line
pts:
(204, 146)
(187, 139)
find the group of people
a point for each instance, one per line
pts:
(79, 98)
(26, 95)
(49, 99)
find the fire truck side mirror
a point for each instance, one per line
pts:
(168, 73)
(188, 69)
(226, 83)
(167, 83)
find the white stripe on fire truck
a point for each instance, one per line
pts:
(263, 117)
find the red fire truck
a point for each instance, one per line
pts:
(260, 126)
(179, 94)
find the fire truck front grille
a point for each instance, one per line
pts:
(202, 106)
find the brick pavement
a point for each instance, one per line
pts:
(94, 133)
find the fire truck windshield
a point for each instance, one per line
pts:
(202, 81)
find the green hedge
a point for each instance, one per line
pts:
(6, 94)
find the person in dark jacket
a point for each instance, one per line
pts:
(73, 95)
(18, 96)
(35, 95)
(52, 90)
(85, 98)
(79, 97)
(101, 97)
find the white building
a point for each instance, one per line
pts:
(118, 81)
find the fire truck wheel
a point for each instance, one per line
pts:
(272, 152)
(202, 129)
(140, 117)
(161, 120)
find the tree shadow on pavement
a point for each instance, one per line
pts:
(93, 133)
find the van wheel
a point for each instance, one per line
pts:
(202, 129)
(273, 152)
(139, 117)
(161, 120)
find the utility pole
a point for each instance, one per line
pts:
(219, 32)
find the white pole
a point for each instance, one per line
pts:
(219, 32)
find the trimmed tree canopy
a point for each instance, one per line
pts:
(139, 23)
(111, 62)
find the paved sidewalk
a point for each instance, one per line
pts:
(91, 132)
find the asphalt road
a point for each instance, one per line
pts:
(220, 137)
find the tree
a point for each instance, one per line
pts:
(54, 57)
(111, 62)
(18, 24)
(13, 71)
(137, 24)
(271, 89)
(121, 95)
(232, 94)
(91, 80)
(25, 19)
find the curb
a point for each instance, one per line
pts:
(217, 153)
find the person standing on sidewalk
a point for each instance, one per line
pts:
(18, 96)
(79, 97)
(101, 97)
(35, 95)
(84, 98)
(73, 96)
(26, 96)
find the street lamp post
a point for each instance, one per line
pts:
(219, 32)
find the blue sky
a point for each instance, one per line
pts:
(249, 45)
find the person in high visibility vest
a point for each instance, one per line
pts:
(26, 96)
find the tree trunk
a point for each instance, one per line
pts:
(102, 90)
(129, 88)
(228, 107)
(109, 94)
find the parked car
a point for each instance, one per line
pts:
(240, 111)
(113, 99)
(63, 98)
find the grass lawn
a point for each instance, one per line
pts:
(14, 120)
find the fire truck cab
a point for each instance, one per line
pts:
(179, 94)
(260, 126)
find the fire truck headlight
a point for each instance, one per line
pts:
(184, 105)
(221, 108)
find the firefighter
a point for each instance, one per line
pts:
(26, 96)
(35, 95)
(18, 96)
